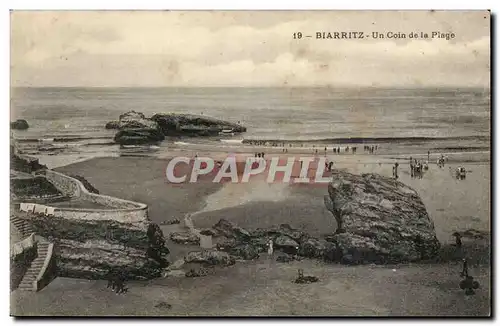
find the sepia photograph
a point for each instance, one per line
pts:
(250, 163)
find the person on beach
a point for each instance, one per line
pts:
(330, 166)
(458, 239)
(428, 156)
(258, 154)
(270, 248)
(465, 268)
(395, 170)
(335, 150)
(262, 154)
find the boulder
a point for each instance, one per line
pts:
(135, 129)
(318, 248)
(245, 251)
(19, 124)
(185, 238)
(210, 257)
(227, 229)
(209, 232)
(131, 115)
(113, 125)
(174, 124)
(283, 229)
(91, 249)
(380, 220)
(138, 136)
(285, 242)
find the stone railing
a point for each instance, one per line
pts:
(47, 271)
(25, 244)
(119, 209)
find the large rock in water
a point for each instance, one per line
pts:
(173, 124)
(135, 129)
(138, 136)
(380, 220)
(19, 124)
(92, 249)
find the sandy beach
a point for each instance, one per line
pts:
(265, 287)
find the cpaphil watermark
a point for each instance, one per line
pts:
(291, 169)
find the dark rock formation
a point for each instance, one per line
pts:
(380, 220)
(86, 183)
(138, 136)
(24, 163)
(316, 248)
(210, 257)
(174, 124)
(245, 244)
(227, 229)
(19, 124)
(131, 115)
(113, 125)
(245, 251)
(286, 243)
(135, 129)
(92, 249)
(185, 238)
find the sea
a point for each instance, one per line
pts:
(67, 124)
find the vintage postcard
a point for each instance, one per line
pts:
(250, 163)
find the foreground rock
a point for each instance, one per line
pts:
(379, 219)
(210, 257)
(185, 238)
(19, 124)
(173, 124)
(92, 249)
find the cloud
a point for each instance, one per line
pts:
(245, 48)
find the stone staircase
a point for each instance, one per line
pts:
(27, 283)
(22, 225)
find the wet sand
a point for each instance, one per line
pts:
(264, 287)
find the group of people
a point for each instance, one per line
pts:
(370, 149)
(417, 168)
(261, 155)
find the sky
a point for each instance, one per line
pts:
(247, 48)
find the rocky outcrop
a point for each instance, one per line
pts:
(380, 220)
(113, 125)
(135, 129)
(24, 163)
(92, 249)
(185, 238)
(173, 124)
(138, 136)
(210, 257)
(19, 124)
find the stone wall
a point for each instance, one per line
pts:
(119, 209)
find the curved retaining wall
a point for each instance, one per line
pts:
(121, 210)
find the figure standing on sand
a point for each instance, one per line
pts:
(458, 239)
(270, 248)
(395, 170)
